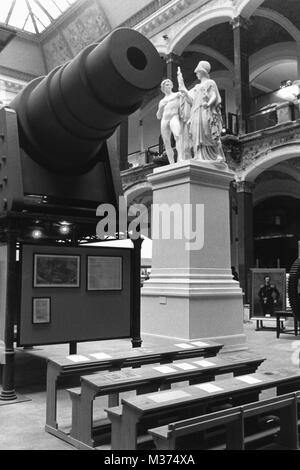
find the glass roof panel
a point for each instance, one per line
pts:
(29, 26)
(4, 10)
(33, 16)
(19, 15)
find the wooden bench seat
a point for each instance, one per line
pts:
(160, 408)
(261, 319)
(165, 437)
(145, 380)
(76, 365)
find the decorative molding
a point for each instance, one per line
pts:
(144, 13)
(240, 22)
(164, 17)
(262, 143)
(89, 25)
(244, 187)
(56, 51)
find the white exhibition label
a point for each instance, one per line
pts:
(101, 356)
(167, 396)
(249, 379)
(200, 343)
(164, 369)
(185, 366)
(210, 388)
(204, 363)
(77, 358)
(184, 346)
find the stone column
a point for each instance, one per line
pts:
(241, 71)
(191, 293)
(122, 144)
(173, 61)
(298, 60)
(245, 233)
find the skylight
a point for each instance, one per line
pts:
(32, 16)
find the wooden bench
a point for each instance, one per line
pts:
(76, 366)
(286, 314)
(166, 437)
(152, 410)
(260, 321)
(146, 379)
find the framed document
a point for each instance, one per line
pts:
(41, 312)
(104, 273)
(56, 270)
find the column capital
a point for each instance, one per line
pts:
(240, 22)
(173, 58)
(244, 187)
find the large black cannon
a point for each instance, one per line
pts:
(54, 135)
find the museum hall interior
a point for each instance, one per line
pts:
(149, 233)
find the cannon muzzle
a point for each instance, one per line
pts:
(65, 117)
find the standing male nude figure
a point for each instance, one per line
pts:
(169, 114)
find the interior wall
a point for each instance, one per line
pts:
(23, 56)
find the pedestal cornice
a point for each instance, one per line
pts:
(193, 172)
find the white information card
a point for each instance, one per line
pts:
(77, 358)
(249, 379)
(204, 363)
(164, 369)
(185, 366)
(210, 388)
(101, 356)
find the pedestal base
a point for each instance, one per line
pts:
(217, 317)
(191, 293)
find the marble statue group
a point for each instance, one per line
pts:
(194, 117)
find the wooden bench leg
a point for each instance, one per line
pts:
(51, 398)
(296, 326)
(289, 427)
(235, 434)
(129, 429)
(83, 421)
(116, 432)
(165, 444)
(277, 326)
(75, 431)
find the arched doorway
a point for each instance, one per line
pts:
(276, 232)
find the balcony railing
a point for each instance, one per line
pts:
(140, 158)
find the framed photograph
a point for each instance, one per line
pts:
(41, 310)
(268, 292)
(56, 270)
(104, 273)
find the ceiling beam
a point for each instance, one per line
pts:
(6, 35)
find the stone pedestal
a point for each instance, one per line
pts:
(191, 293)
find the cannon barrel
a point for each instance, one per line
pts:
(65, 117)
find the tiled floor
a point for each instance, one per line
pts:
(22, 423)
